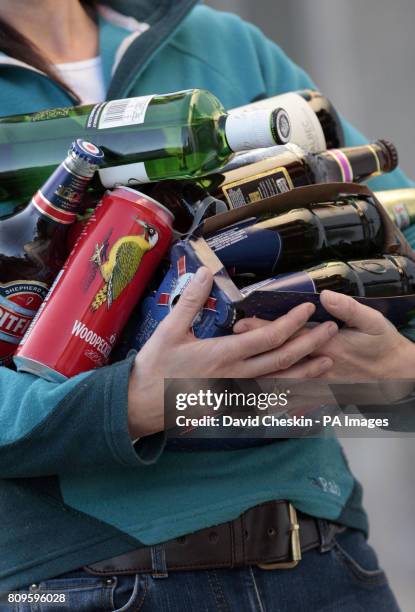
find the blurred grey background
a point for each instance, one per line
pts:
(361, 53)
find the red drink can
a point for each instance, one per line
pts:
(90, 301)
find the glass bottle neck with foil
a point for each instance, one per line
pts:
(59, 200)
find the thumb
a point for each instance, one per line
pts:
(353, 313)
(191, 302)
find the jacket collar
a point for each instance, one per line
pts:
(163, 18)
(117, 32)
(150, 11)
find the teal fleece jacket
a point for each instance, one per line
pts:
(74, 489)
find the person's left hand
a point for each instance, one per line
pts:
(369, 347)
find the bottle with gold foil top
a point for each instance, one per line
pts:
(400, 205)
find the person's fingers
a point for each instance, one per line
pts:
(292, 352)
(309, 368)
(354, 314)
(244, 325)
(271, 336)
(190, 303)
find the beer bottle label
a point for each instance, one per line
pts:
(19, 302)
(246, 247)
(118, 113)
(155, 307)
(258, 187)
(345, 167)
(60, 197)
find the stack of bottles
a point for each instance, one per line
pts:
(335, 246)
(194, 158)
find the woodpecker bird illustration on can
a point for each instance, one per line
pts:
(103, 279)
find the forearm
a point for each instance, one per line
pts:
(79, 425)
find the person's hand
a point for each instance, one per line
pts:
(174, 352)
(369, 347)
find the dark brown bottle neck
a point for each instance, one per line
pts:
(357, 164)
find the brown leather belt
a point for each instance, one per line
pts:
(272, 535)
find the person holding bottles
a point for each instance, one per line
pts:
(109, 522)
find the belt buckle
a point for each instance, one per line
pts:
(295, 545)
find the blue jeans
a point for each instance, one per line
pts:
(347, 578)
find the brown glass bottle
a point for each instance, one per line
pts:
(33, 243)
(292, 167)
(383, 277)
(267, 245)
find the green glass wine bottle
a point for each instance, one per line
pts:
(183, 134)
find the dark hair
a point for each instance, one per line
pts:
(16, 45)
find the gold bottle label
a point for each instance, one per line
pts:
(257, 187)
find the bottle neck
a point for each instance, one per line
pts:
(255, 129)
(386, 277)
(59, 200)
(357, 164)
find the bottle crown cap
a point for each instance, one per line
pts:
(392, 151)
(87, 151)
